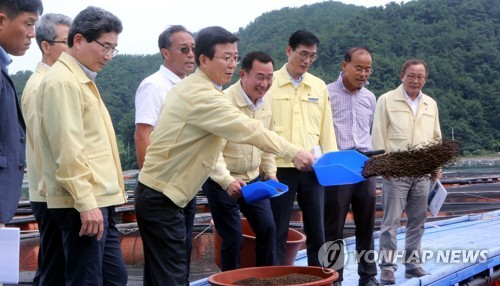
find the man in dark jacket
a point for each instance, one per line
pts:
(17, 28)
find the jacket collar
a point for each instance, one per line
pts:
(75, 67)
(42, 68)
(240, 99)
(282, 77)
(400, 95)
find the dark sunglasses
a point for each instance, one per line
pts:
(184, 50)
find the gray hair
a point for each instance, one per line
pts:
(412, 62)
(45, 28)
(165, 38)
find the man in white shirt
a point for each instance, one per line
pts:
(177, 49)
(176, 46)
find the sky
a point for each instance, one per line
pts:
(144, 20)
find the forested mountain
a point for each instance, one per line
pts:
(459, 39)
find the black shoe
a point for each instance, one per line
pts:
(387, 277)
(415, 272)
(372, 282)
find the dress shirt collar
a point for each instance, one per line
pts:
(252, 106)
(171, 76)
(45, 65)
(219, 87)
(91, 74)
(341, 80)
(5, 57)
(294, 81)
(413, 103)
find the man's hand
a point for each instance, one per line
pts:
(272, 177)
(234, 189)
(303, 160)
(92, 223)
(437, 175)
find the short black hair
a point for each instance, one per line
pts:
(208, 37)
(303, 37)
(248, 59)
(12, 8)
(92, 22)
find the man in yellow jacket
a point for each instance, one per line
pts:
(302, 114)
(52, 39)
(239, 165)
(79, 154)
(404, 117)
(184, 149)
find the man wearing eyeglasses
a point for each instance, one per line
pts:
(176, 46)
(302, 115)
(52, 39)
(238, 165)
(353, 108)
(80, 160)
(184, 150)
(405, 117)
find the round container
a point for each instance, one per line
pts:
(230, 277)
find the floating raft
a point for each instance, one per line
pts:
(471, 232)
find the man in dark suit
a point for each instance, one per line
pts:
(17, 28)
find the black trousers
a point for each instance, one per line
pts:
(89, 261)
(189, 212)
(51, 251)
(361, 197)
(162, 226)
(226, 215)
(310, 196)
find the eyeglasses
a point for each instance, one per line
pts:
(54, 41)
(412, 77)
(109, 51)
(360, 70)
(307, 56)
(230, 59)
(261, 78)
(183, 50)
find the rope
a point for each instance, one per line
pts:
(202, 232)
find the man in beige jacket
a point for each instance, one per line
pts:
(239, 165)
(184, 150)
(404, 117)
(52, 39)
(78, 150)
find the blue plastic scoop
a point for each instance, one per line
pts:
(262, 190)
(340, 168)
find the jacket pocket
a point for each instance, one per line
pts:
(313, 139)
(236, 162)
(397, 137)
(3, 162)
(209, 164)
(104, 176)
(279, 130)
